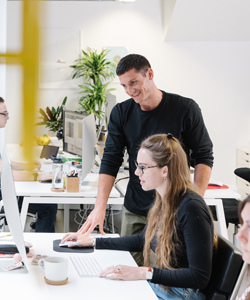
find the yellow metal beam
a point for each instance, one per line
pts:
(30, 57)
(29, 60)
(11, 58)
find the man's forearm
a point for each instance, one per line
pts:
(97, 216)
(202, 175)
(105, 185)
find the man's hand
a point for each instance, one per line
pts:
(95, 218)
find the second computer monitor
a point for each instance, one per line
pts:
(88, 144)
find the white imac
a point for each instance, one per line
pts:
(88, 144)
(12, 214)
(110, 103)
(72, 124)
(80, 138)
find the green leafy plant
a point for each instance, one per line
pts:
(52, 118)
(96, 70)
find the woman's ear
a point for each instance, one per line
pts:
(165, 172)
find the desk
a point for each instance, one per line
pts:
(212, 197)
(33, 286)
(36, 192)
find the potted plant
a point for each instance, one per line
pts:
(53, 119)
(96, 70)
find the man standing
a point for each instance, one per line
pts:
(46, 213)
(148, 111)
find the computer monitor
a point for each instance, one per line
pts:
(110, 103)
(88, 144)
(80, 138)
(12, 212)
(49, 151)
(72, 133)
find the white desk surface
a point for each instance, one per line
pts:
(209, 194)
(33, 286)
(36, 192)
(36, 189)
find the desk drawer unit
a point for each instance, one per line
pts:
(243, 187)
(243, 158)
(243, 161)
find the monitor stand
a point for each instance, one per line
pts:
(6, 262)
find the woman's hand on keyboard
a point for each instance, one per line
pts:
(121, 272)
(81, 239)
(44, 176)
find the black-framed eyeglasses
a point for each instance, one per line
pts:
(5, 114)
(142, 168)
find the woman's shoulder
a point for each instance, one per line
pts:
(189, 196)
(191, 200)
(192, 206)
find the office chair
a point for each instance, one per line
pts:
(231, 205)
(226, 274)
(243, 173)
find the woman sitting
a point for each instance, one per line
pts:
(180, 228)
(244, 237)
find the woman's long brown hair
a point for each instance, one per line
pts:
(166, 150)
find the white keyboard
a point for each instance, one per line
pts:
(86, 266)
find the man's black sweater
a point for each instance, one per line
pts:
(129, 125)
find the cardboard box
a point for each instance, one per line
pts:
(72, 184)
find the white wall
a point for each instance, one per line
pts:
(214, 74)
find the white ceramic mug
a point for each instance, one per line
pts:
(55, 268)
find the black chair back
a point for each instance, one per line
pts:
(227, 264)
(243, 173)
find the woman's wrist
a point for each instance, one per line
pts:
(143, 271)
(149, 273)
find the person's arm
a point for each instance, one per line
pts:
(29, 176)
(97, 216)
(132, 243)
(197, 139)
(202, 175)
(128, 243)
(26, 166)
(111, 161)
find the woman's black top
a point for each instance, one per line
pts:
(194, 256)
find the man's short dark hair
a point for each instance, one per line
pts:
(1, 100)
(133, 61)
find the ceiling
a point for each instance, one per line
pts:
(203, 20)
